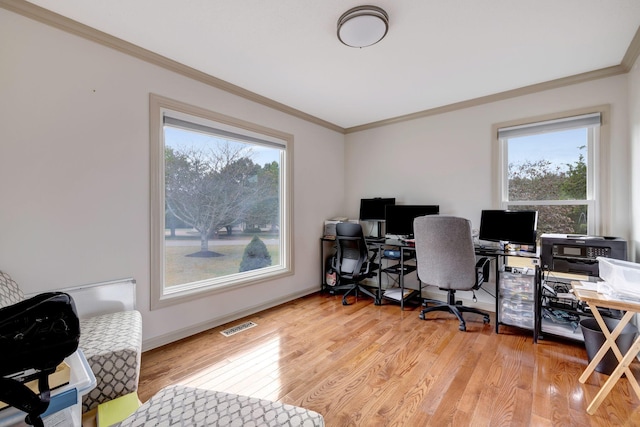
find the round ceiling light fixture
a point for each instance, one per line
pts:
(363, 26)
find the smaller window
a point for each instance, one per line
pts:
(552, 166)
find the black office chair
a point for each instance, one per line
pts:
(352, 263)
(446, 258)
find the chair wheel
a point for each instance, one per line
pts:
(462, 327)
(486, 319)
(422, 316)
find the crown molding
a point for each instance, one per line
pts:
(55, 20)
(45, 16)
(526, 90)
(632, 53)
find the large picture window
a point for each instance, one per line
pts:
(220, 202)
(554, 166)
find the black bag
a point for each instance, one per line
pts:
(37, 333)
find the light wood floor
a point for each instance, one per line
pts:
(367, 365)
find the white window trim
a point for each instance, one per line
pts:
(598, 185)
(159, 296)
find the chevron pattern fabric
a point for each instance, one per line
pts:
(112, 345)
(186, 406)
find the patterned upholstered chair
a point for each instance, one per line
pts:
(187, 406)
(112, 344)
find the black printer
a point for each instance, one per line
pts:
(576, 254)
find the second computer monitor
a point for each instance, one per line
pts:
(374, 209)
(517, 227)
(399, 218)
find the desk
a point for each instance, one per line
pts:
(401, 269)
(596, 300)
(374, 245)
(402, 245)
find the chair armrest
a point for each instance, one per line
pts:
(482, 271)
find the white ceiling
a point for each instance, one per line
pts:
(437, 52)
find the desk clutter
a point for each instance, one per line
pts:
(539, 297)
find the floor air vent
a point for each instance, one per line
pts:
(238, 328)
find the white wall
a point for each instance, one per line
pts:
(446, 159)
(74, 172)
(634, 125)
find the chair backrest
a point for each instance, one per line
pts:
(444, 252)
(352, 250)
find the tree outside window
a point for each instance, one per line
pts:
(548, 167)
(224, 201)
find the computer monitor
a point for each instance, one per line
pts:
(517, 227)
(399, 218)
(373, 209)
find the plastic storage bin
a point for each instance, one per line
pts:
(622, 278)
(67, 398)
(517, 299)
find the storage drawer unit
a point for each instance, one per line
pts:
(517, 298)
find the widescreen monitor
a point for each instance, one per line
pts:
(374, 209)
(399, 218)
(517, 227)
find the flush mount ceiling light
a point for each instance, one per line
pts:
(363, 26)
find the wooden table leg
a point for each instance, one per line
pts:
(623, 367)
(610, 341)
(623, 361)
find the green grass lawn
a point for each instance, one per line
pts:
(180, 268)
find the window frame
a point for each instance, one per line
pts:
(598, 200)
(158, 106)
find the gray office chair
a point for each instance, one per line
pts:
(446, 258)
(352, 263)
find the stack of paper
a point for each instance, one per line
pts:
(395, 293)
(116, 410)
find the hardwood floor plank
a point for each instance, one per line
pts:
(367, 365)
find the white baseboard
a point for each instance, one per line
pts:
(161, 340)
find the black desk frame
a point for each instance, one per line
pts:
(379, 246)
(499, 257)
(402, 246)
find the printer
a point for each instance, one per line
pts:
(576, 254)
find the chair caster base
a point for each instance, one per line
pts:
(462, 327)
